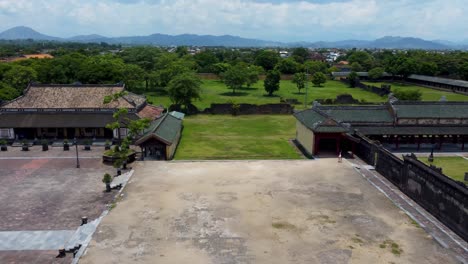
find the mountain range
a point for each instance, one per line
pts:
(19, 33)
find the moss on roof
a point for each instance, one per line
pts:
(432, 109)
(354, 114)
(165, 128)
(439, 80)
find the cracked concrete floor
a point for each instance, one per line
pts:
(219, 212)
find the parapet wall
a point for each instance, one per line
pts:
(249, 109)
(443, 197)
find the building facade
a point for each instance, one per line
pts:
(69, 111)
(413, 124)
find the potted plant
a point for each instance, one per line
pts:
(107, 179)
(25, 146)
(45, 145)
(107, 146)
(3, 145)
(87, 144)
(66, 145)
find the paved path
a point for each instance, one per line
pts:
(34, 240)
(442, 234)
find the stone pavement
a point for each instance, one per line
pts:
(34, 240)
(442, 234)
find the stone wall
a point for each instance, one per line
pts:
(249, 109)
(443, 197)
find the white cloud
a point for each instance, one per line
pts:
(277, 20)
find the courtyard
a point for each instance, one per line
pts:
(224, 137)
(44, 196)
(296, 211)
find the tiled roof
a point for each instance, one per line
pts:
(73, 96)
(439, 80)
(164, 129)
(358, 114)
(60, 120)
(360, 74)
(379, 120)
(318, 122)
(150, 112)
(412, 130)
(431, 109)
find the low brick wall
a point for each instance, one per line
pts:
(443, 197)
(249, 109)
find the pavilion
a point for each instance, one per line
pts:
(69, 111)
(331, 128)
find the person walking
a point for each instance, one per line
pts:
(339, 157)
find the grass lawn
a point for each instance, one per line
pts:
(428, 94)
(454, 167)
(242, 137)
(214, 91)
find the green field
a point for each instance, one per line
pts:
(214, 91)
(454, 167)
(428, 94)
(237, 138)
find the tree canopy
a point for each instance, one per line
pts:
(272, 82)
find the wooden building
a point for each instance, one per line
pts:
(69, 111)
(331, 128)
(160, 140)
(456, 86)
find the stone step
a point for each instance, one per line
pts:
(81, 235)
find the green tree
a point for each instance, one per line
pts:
(205, 61)
(267, 59)
(287, 66)
(353, 79)
(463, 71)
(219, 68)
(8, 93)
(410, 95)
(133, 76)
(376, 73)
(253, 72)
(184, 88)
(318, 79)
(332, 69)
(300, 55)
(355, 66)
(235, 77)
(316, 66)
(19, 77)
(363, 58)
(272, 82)
(300, 80)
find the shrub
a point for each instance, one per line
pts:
(410, 95)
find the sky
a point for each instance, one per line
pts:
(276, 20)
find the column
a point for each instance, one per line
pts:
(419, 142)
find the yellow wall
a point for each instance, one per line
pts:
(170, 150)
(305, 137)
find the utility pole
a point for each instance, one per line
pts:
(306, 86)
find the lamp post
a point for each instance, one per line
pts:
(76, 148)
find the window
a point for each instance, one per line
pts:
(4, 132)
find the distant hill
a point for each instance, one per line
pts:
(24, 33)
(86, 37)
(234, 41)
